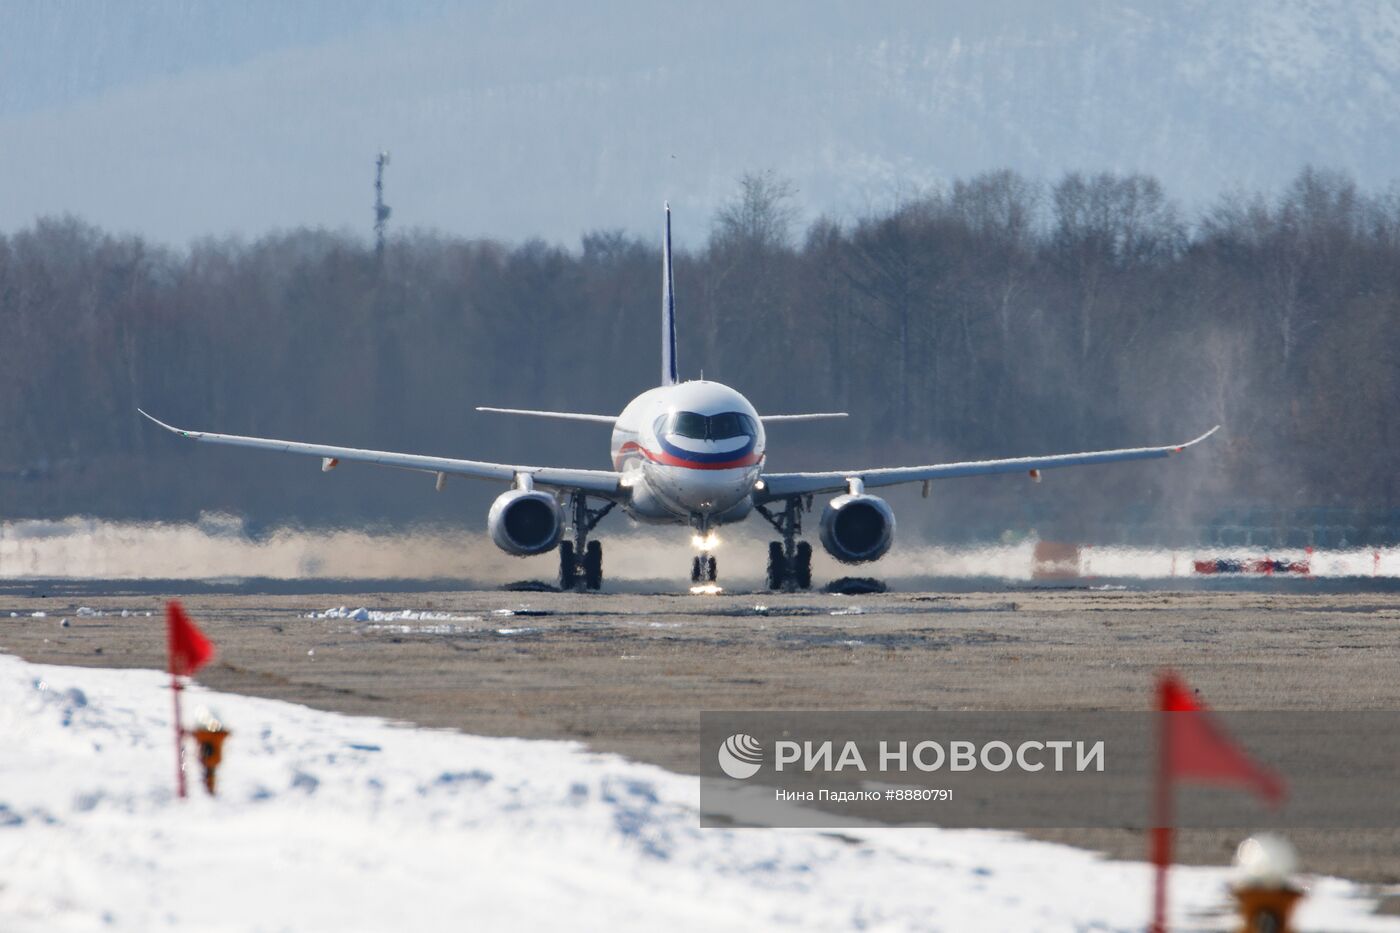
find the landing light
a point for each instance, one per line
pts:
(706, 542)
(706, 589)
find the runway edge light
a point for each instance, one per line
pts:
(1264, 889)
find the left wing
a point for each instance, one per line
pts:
(597, 482)
(809, 416)
(782, 485)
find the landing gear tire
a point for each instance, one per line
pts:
(581, 560)
(777, 566)
(593, 565)
(789, 560)
(704, 569)
(788, 576)
(802, 572)
(568, 566)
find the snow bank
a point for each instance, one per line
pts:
(218, 547)
(328, 822)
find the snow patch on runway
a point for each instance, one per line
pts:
(426, 622)
(330, 822)
(363, 614)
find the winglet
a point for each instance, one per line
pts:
(170, 428)
(669, 373)
(1180, 448)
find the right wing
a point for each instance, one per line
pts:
(562, 415)
(782, 485)
(597, 482)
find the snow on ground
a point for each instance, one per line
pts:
(330, 822)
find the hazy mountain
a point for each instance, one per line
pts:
(178, 119)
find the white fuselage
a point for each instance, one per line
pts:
(689, 454)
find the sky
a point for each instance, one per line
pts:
(179, 119)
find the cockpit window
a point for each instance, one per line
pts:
(689, 424)
(707, 428)
(728, 424)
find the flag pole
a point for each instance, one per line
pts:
(1161, 815)
(1161, 858)
(189, 651)
(175, 688)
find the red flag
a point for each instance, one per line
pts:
(189, 649)
(1197, 749)
(1193, 747)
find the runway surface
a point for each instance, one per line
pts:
(629, 673)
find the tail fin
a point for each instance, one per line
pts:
(669, 374)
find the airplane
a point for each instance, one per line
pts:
(686, 453)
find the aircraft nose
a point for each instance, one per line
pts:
(699, 492)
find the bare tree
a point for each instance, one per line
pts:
(761, 216)
(993, 316)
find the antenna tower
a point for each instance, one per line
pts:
(381, 210)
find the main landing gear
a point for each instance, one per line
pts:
(789, 560)
(581, 560)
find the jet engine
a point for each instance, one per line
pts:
(525, 521)
(857, 528)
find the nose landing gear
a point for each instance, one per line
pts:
(789, 560)
(703, 569)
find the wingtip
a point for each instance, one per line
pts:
(1193, 443)
(171, 428)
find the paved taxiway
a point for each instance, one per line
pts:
(629, 673)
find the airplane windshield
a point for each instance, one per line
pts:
(728, 424)
(688, 424)
(707, 428)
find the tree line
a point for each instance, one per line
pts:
(995, 316)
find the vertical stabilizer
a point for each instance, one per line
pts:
(669, 374)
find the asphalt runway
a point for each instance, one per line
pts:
(629, 673)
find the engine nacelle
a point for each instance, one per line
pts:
(525, 521)
(857, 528)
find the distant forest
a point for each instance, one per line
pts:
(999, 316)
